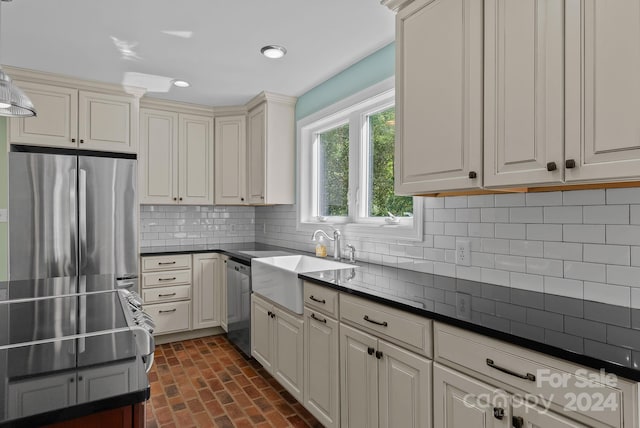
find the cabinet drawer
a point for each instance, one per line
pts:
(163, 294)
(158, 263)
(559, 382)
(161, 279)
(321, 298)
(405, 329)
(170, 317)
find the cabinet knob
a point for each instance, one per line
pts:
(370, 350)
(242, 199)
(498, 413)
(80, 378)
(517, 422)
(261, 197)
(180, 198)
(378, 354)
(73, 140)
(81, 141)
(175, 199)
(570, 163)
(71, 380)
(473, 174)
(551, 166)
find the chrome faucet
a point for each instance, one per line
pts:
(352, 253)
(335, 239)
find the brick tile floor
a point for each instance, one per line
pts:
(207, 382)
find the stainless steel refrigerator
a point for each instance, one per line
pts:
(72, 215)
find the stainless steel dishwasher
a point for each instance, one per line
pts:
(239, 305)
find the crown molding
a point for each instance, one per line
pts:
(47, 78)
(229, 111)
(169, 105)
(270, 97)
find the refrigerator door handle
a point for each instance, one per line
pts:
(73, 208)
(82, 217)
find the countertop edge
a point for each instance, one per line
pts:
(591, 362)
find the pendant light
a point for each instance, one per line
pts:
(13, 102)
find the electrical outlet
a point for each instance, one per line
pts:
(463, 306)
(3, 215)
(463, 253)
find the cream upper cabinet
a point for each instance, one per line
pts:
(176, 157)
(72, 118)
(157, 164)
(603, 89)
(231, 160)
(523, 92)
(439, 96)
(207, 269)
(270, 150)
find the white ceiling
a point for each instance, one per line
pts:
(221, 59)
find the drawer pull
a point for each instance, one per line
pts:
(318, 319)
(383, 323)
(167, 295)
(167, 263)
(498, 413)
(370, 350)
(527, 376)
(167, 312)
(167, 279)
(517, 422)
(379, 355)
(317, 300)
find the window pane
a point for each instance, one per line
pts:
(382, 200)
(333, 172)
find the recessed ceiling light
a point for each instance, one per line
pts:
(181, 84)
(273, 51)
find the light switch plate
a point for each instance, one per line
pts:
(4, 215)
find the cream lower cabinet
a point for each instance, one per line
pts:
(322, 367)
(277, 340)
(207, 291)
(382, 385)
(223, 294)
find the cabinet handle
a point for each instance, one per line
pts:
(473, 174)
(71, 380)
(167, 312)
(81, 141)
(317, 300)
(167, 263)
(73, 140)
(167, 295)
(517, 422)
(383, 323)
(167, 279)
(570, 163)
(80, 379)
(370, 350)
(498, 413)
(527, 376)
(269, 313)
(378, 354)
(318, 319)
(551, 166)
(261, 197)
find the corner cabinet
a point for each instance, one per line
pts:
(270, 150)
(72, 118)
(231, 160)
(176, 157)
(439, 96)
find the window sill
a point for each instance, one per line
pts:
(369, 230)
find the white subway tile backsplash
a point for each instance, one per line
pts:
(606, 293)
(623, 235)
(446, 242)
(594, 234)
(635, 256)
(471, 273)
(494, 215)
(623, 275)
(478, 201)
(455, 202)
(456, 229)
(584, 197)
(635, 214)
(563, 215)
(433, 202)
(606, 214)
(544, 199)
(482, 230)
(434, 254)
(547, 267)
(445, 269)
(495, 246)
(526, 248)
(564, 287)
(585, 271)
(510, 263)
(544, 232)
(609, 254)
(444, 214)
(525, 215)
(525, 281)
(510, 231)
(499, 277)
(563, 251)
(510, 200)
(635, 298)
(468, 215)
(484, 260)
(623, 196)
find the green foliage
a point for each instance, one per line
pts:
(334, 171)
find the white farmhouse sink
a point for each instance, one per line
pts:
(276, 278)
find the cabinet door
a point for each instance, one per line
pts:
(603, 89)
(108, 122)
(261, 332)
(57, 121)
(231, 160)
(257, 130)
(322, 374)
(106, 381)
(195, 160)
(40, 394)
(206, 290)
(438, 96)
(535, 417)
(404, 388)
(288, 352)
(359, 378)
(461, 401)
(524, 92)
(223, 294)
(158, 160)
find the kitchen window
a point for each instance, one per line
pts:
(346, 168)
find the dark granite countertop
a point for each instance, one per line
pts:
(62, 332)
(593, 334)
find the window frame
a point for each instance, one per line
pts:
(353, 110)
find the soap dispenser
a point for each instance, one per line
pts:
(321, 247)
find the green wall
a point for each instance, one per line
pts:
(4, 241)
(366, 72)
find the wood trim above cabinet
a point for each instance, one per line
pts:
(537, 189)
